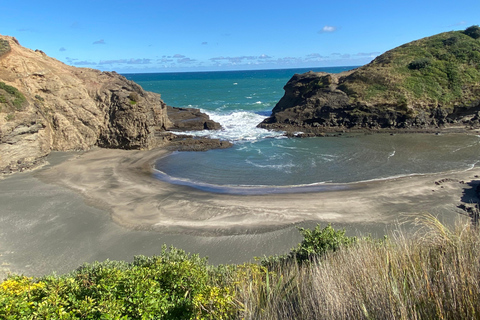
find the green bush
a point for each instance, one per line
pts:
(419, 64)
(172, 285)
(473, 31)
(315, 243)
(318, 242)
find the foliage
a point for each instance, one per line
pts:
(432, 275)
(4, 47)
(11, 97)
(318, 242)
(419, 64)
(133, 96)
(440, 70)
(473, 31)
(172, 285)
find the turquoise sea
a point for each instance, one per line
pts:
(260, 159)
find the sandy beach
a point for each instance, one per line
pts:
(107, 204)
(123, 182)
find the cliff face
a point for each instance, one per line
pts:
(59, 107)
(425, 85)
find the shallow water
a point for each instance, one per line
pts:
(327, 160)
(242, 99)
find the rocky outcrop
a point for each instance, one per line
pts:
(400, 90)
(190, 119)
(68, 108)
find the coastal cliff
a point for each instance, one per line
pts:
(47, 106)
(426, 85)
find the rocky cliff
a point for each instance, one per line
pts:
(426, 85)
(46, 105)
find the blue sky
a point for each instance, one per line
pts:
(178, 35)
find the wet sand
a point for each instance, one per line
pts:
(107, 204)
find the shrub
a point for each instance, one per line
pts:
(318, 242)
(450, 41)
(419, 64)
(133, 96)
(473, 31)
(4, 47)
(315, 243)
(172, 285)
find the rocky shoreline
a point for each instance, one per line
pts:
(313, 105)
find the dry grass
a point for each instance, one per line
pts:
(433, 276)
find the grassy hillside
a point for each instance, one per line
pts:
(443, 69)
(328, 276)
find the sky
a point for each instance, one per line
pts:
(177, 35)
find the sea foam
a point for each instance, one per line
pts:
(237, 126)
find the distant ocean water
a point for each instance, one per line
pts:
(239, 100)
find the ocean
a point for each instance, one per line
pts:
(262, 159)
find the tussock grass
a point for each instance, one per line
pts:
(434, 275)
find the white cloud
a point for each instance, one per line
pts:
(328, 29)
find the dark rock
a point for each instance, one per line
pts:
(189, 143)
(190, 119)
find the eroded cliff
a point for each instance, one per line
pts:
(46, 105)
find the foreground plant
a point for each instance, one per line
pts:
(432, 276)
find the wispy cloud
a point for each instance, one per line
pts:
(240, 59)
(314, 56)
(328, 29)
(367, 54)
(62, 49)
(101, 41)
(204, 43)
(84, 63)
(186, 60)
(458, 24)
(126, 61)
(178, 56)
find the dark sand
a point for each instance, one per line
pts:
(107, 204)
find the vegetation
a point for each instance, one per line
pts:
(4, 47)
(133, 96)
(433, 276)
(473, 31)
(440, 70)
(11, 99)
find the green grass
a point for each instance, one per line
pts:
(11, 99)
(442, 69)
(434, 274)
